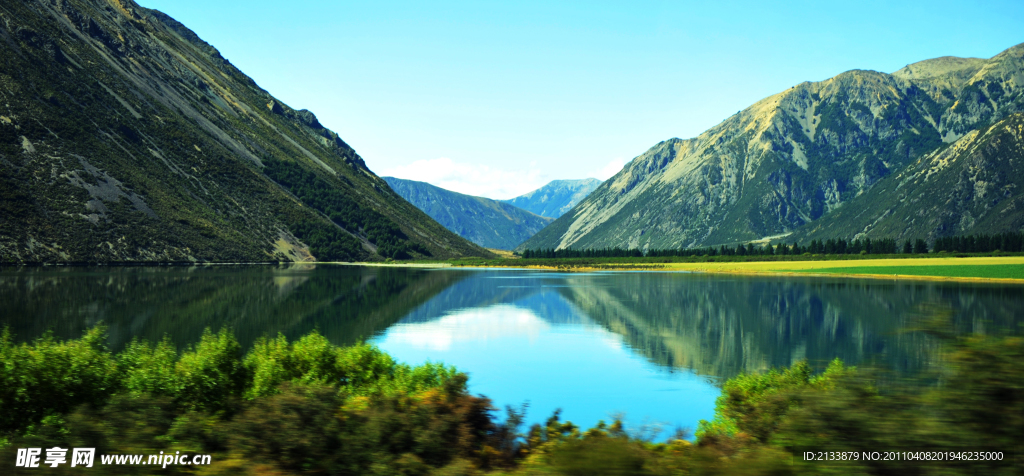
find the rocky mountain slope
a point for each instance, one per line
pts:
(555, 198)
(488, 223)
(794, 157)
(973, 185)
(125, 137)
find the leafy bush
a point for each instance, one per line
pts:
(149, 368)
(752, 405)
(977, 405)
(295, 406)
(50, 377)
(211, 373)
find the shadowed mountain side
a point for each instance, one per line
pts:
(721, 327)
(793, 158)
(125, 137)
(975, 185)
(346, 304)
(488, 223)
(555, 198)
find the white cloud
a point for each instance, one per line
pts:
(611, 168)
(480, 324)
(472, 179)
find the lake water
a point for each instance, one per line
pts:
(650, 346)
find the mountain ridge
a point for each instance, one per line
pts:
(790, 158)
(489, 223)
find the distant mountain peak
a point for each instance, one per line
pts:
(488, 223)
(555, 198)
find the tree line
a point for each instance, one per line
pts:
(980, 243)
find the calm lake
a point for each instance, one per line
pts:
(647, 345)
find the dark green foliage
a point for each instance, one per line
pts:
(49, 377)
(976, 406)
(335, 203)
(985, 396)
(753, 405)
(126, 424)
(587, 253)
(210, 374)
(982, 243)
(326, 241)
(599, 456)
(298, 430)
(301, 406)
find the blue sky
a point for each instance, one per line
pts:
(497, 98)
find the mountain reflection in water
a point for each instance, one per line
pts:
(722, 325)
(715, 325)
(345, 303)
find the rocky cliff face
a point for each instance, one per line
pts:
(556, 198)
(793, 157)
(488, 223)
(125, 137)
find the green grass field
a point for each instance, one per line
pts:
(940, 265)
(906, 266)
(991, 271)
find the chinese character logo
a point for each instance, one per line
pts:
(83, 456)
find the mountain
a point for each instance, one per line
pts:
(795, 157)
(125, 137)
(555, 198)
(970, 186)
(488, 223)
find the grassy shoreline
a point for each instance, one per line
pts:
(976, 267)
(969, 268)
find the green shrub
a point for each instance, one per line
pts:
(211, 373)
(752, 405)
(50, 377)
(149, 368)
(356, 370)
(311, 360)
